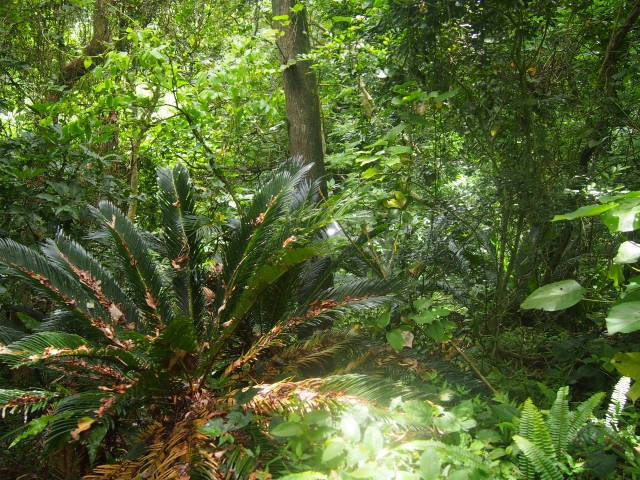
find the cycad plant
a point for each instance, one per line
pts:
(161, 331)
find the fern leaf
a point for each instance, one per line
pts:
(618, 401)
(582, 414)
(542, 464)
(558, 421)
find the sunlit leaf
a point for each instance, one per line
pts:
(555, 296)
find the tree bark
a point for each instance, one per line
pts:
(75, 69)
(300, 87)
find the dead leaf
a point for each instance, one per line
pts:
(84, 424)
(115, 312)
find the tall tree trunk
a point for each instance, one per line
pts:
(75, 69)
(300, 87)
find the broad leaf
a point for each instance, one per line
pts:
(555, 296)
(394, 337)
(587, 211)
(624, 216)
(628, 364)
(624, 318)
(629, 252)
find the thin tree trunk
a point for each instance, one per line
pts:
(300, 87)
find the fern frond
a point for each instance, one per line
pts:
(618, 401)
(542, 464)
(558, 421)
(581, 414)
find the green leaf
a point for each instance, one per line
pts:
(308, 475)
(368, 470)
(315, 416)
(333, 448)
(629, 252)
(445, 95)
(350, 429)
(587, 211)
(399, 149)
(93, 440)
(241, 397)
(373, 440)
(615, 274)
(634, 392)
(393, 133)
(424, 317)
(628, 364)
(419, 411)
(624, 216)
(383, 320)
(287, 429)
(436, 331)
(87, 62)
(555, 296)
(430, 464)
(370, 172)
(624, 318)
(394, 337)
(34, 427)
(422, 303)
(342, 19)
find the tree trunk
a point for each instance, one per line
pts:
(300, 87)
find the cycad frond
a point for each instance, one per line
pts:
(40, 346)
(378, 391)
(135, 259)
(27, 401)
(47, 278)
(96, 277)
(182, 243)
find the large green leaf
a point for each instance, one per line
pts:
(629, 252)
(624, 318)
(587, 211)
(624, 216)
(555, 296)
(628, 364)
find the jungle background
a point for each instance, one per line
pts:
(247, 239)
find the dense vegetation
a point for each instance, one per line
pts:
(390, 239)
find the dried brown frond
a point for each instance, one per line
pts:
(173, 450)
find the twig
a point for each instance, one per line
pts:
(475, 369)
